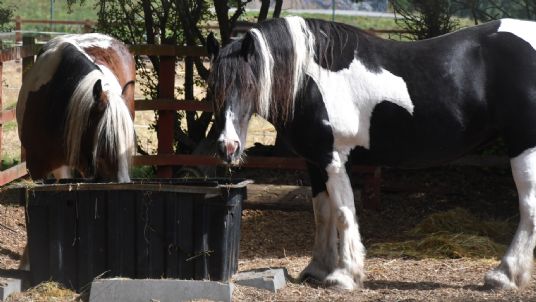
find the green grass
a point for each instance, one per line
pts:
(143, 172)
(8, 161)
(358, 21)
(40, 9)
(9, 126)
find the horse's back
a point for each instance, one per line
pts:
(467, 88)
(113, 54)
(119, 59)
(48, 89)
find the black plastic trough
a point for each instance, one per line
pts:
(187, 229)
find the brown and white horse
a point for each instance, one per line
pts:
(76, 107)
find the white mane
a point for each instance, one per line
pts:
(115, 131)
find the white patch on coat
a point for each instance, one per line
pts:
(303, 42)
(350, 272)
(62, 172)
(350, 96)
(523, 29)
(265, 76)
(91, 40)
(516, 265)
(229, 133)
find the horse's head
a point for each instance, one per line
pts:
(234, 88)
(105, 145)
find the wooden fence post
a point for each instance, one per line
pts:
(165, 123)
(87, 26)
(1, 105)
(18, 28)
(27, 63)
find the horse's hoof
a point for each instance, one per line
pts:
(496, 279)
(313, 272)
(341, 280)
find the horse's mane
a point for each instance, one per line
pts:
(114, 135)
(276, 71)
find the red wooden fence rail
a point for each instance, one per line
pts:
(166, 158)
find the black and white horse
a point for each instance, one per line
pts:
(337, 92)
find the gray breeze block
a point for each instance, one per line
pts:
(162, 290)
(271, 279)
(9, 286)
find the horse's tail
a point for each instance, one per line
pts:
(114, 133)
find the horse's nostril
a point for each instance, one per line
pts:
(231, 147)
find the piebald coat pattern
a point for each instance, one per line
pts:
(337, 93)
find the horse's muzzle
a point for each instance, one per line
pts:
(229, 150)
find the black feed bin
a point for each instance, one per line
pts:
(185, 229)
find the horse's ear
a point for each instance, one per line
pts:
(98, 96)
(248, 46)
(97, 90)
(213, 47)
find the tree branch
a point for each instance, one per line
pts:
(263, 13)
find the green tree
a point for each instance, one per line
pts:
(425, 18)
(6, 17)
(174, 22)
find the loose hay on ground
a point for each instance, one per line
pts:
(440, 245)
(284, 239)
(45, 292)
(460, 221)
(451, 234)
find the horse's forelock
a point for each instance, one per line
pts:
(231, 75)
(114, 133)
(115, 138)
(79, 112)
(271, 75)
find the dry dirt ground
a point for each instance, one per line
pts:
(272, 238)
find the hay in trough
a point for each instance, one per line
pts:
(451, 234)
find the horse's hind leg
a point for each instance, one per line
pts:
(325, 256)
(516, 265)
(349, 273)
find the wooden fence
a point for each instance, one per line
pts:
(166, 104)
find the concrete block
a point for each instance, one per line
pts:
(9, 286)
(271, 279)
(161, 290)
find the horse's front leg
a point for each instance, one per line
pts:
(325, 255)
(516, 265)
(349, 273)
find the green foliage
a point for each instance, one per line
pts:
(425, 18)
(485, 10)
(6, 15)
(143, 172)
